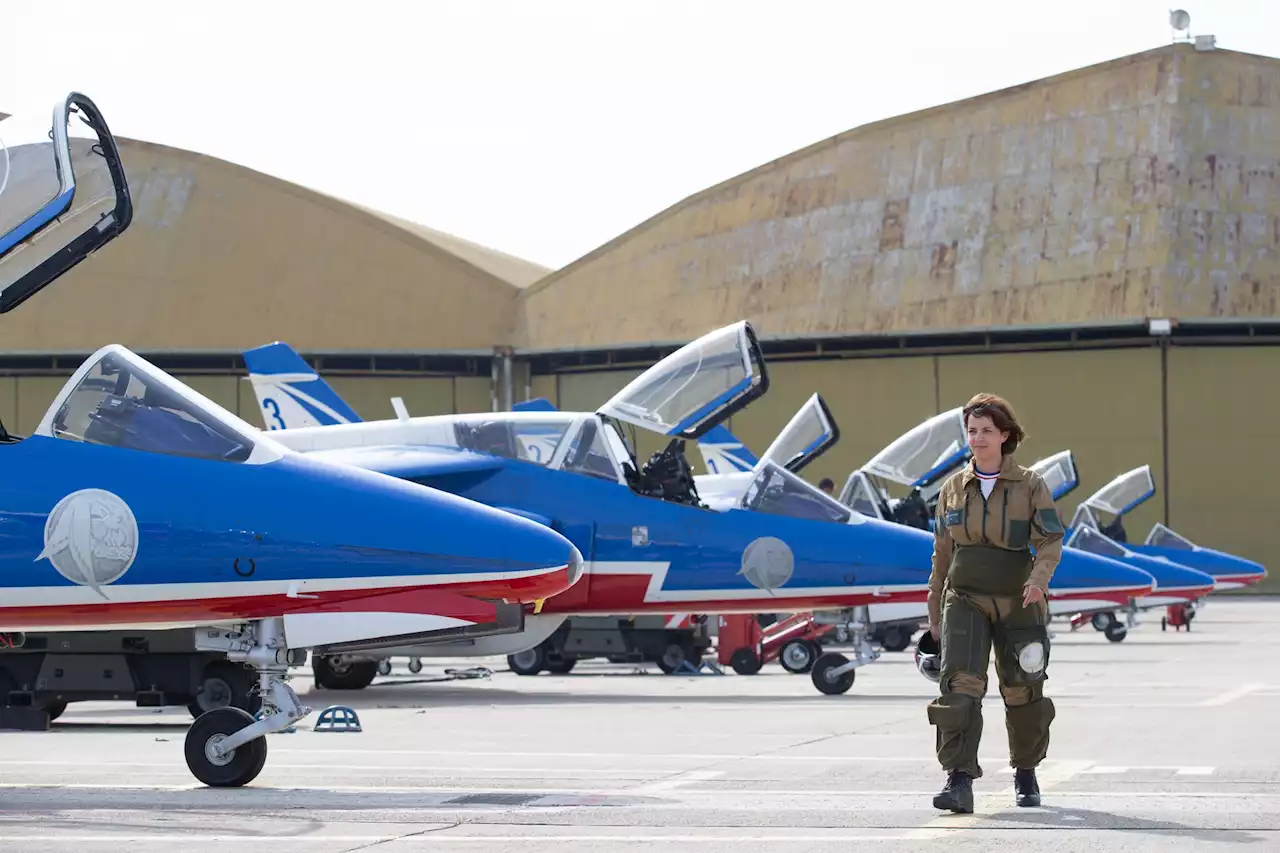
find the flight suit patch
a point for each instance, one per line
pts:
(954, 517)
(1049, 520)
(1019, 532)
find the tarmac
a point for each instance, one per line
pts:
(1165, 741)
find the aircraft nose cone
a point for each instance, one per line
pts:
(378, 526)
(1083, 570)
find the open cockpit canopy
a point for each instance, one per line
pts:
(63, 195)
(696, 387)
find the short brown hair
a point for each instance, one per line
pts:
(1001, 414)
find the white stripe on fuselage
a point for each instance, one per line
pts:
(124, 593)
(657, 572)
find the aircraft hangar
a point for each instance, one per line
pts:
(1031, 241)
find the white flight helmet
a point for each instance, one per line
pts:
(929, 656)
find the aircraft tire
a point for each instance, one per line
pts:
(827, 683)
(674, 655)
(352, 675)
(797, 656)
(1115, 632)
(745, 662)
(244, 764)
(226, 684)
(562, 665)
(895, 638)
(529, 662)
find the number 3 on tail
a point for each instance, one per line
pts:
(270, 403)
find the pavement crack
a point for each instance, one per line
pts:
(403, 836)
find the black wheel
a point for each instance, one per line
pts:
(528, 662)
(745, 662)
(1100, 621)
(824, 677)
(562, 666)
(1115, 632)
(1164, 623)
(674, 655)
(226, 685)
(415, 665)
(340, 673)
(895, 638)
(238, 768)
(797, 656)
(55, 708)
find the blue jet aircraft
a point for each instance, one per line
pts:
(138, 502)
(925, 456)
(1199, 571)
(653, 544)
(1130, 490)
(921, 459)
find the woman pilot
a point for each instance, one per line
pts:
(988, 589)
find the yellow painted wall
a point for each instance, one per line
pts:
(35, 393)
(545, 386)
(371, 396)
(472, 394)
(872, 401)
(1222, 451)
(1102, 404)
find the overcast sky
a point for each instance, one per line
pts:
(547, 128)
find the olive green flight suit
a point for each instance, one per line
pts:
(981, 563)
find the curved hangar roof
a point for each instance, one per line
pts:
(220, 258)
(1137, 187)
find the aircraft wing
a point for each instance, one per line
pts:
(63, 195)
(412, 462)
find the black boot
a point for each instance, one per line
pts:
(957, 795)
(1026, 787)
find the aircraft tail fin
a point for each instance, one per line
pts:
(290, 393)
(537, 404)
(723, 453)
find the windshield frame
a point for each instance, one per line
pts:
(264, 449)
(1067, 457)
(768, 468)
(1156, 528)
(814, 410)
(1099, 503)
(1086, 531)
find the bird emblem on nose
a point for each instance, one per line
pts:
(91, 538)
(767, 563)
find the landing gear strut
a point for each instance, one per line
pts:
(832, 672)
(225, 747)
